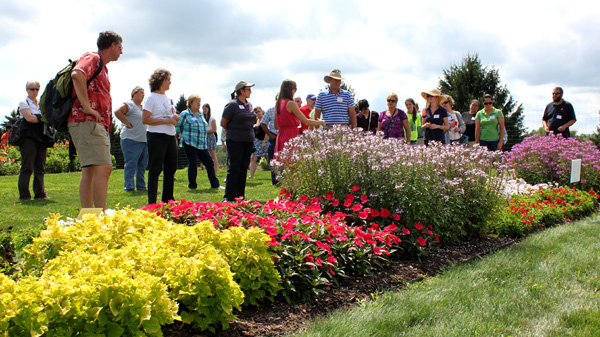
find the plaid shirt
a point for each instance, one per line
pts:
(192, 129)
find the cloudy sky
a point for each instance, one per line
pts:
(380, 47)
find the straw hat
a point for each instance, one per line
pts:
(335, 74)
(432, 92)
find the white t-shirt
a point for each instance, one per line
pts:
(161, 107)
(34, 109)
(210, 120)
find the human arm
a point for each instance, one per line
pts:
(352, 116)
(293, 108)
(461, 124)
(565, 126)
(317, 113)
(477, 130)
(213, 126)
(31, 118)
(149, 120)
(80, 86)
(502, 131)
(120, 114)
(406, 130)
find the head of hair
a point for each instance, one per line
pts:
(36, 83)
(193, 98)
(363, 104)
(285, 92)
(488, 96)
(449, 99)
(474, 101)
(157, 78)
(206, 115)
(392, 95)
(107, 38)
(136, 90)
(414, 109)
(559, 89)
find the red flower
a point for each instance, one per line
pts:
(331, 259)
(364, 214)
(385, 212)
(377, 250)
(347, 203)
(363, 199)
(355, 188)
(282, 191)
(350, 197)
(418, 226)
(421, 241)
(357, 207)
(329, 195)
(335, 203)
(396, 216)
(437, 238)
(303, 198)
(374, 213)
(405, 230)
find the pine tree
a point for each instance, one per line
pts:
(181, 104)
(471, 80)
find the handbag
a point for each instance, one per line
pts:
(17, 131)
(49, 135)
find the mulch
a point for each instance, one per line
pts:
(280, 318)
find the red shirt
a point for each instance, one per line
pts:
(306, 111)
(98, 91)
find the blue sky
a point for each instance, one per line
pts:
(380, 46)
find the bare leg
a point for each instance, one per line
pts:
(213, 154)
(253, 164)
(93, 186)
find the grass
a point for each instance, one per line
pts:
(63, 190)
(547, 285)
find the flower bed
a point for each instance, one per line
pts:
(523, 213)
(542, 159)
(454, 188)
(311, 248)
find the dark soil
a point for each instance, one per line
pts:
(279, 318)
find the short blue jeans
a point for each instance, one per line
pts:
(136, 161)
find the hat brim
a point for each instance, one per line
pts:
(424, 94)
(327, 78)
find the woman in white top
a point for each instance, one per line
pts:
(457, 126)
(133, 141)
(161, 119)
(212, 134)
(33, 150)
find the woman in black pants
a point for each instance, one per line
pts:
(161, 119)
(238, 119)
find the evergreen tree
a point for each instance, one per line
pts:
(471, 80)
(181, 104)
(9, 119)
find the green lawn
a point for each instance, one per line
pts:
(547, 285)
(63, 190)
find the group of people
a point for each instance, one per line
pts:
(152, 132)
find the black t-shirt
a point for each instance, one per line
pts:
(437, 118)
(259, 133)
(557, 115)
(240, 127)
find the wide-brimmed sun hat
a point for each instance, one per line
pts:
(432, 92)
(335, 74)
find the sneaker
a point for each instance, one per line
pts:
(222, 187)
(43, 196)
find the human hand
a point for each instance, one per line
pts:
(90, 111)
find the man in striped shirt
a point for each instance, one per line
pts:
(336, 104)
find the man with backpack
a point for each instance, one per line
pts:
(90, 118)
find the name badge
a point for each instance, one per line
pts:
(492, 117)
(242, 107)
(340, 99)
(436, 116)
(473, 118)
(559, 117)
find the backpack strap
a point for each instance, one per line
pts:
(100, 66)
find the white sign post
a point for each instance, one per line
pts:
(575, 170)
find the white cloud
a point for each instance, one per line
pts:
(380, 46)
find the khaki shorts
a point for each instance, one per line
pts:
(92, 143)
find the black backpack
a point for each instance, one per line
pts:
(58, 98)
(17, 130)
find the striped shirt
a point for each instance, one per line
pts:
(334, 108)
(269, 120)
(192, 129)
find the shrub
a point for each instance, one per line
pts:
(10, 161)
(521, 214)
(192, 263)
(454, 188)
(541, 159)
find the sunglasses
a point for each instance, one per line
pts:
(488, 103)
(556, 93)
(392, 100)
(446, 102)
(34, 89)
